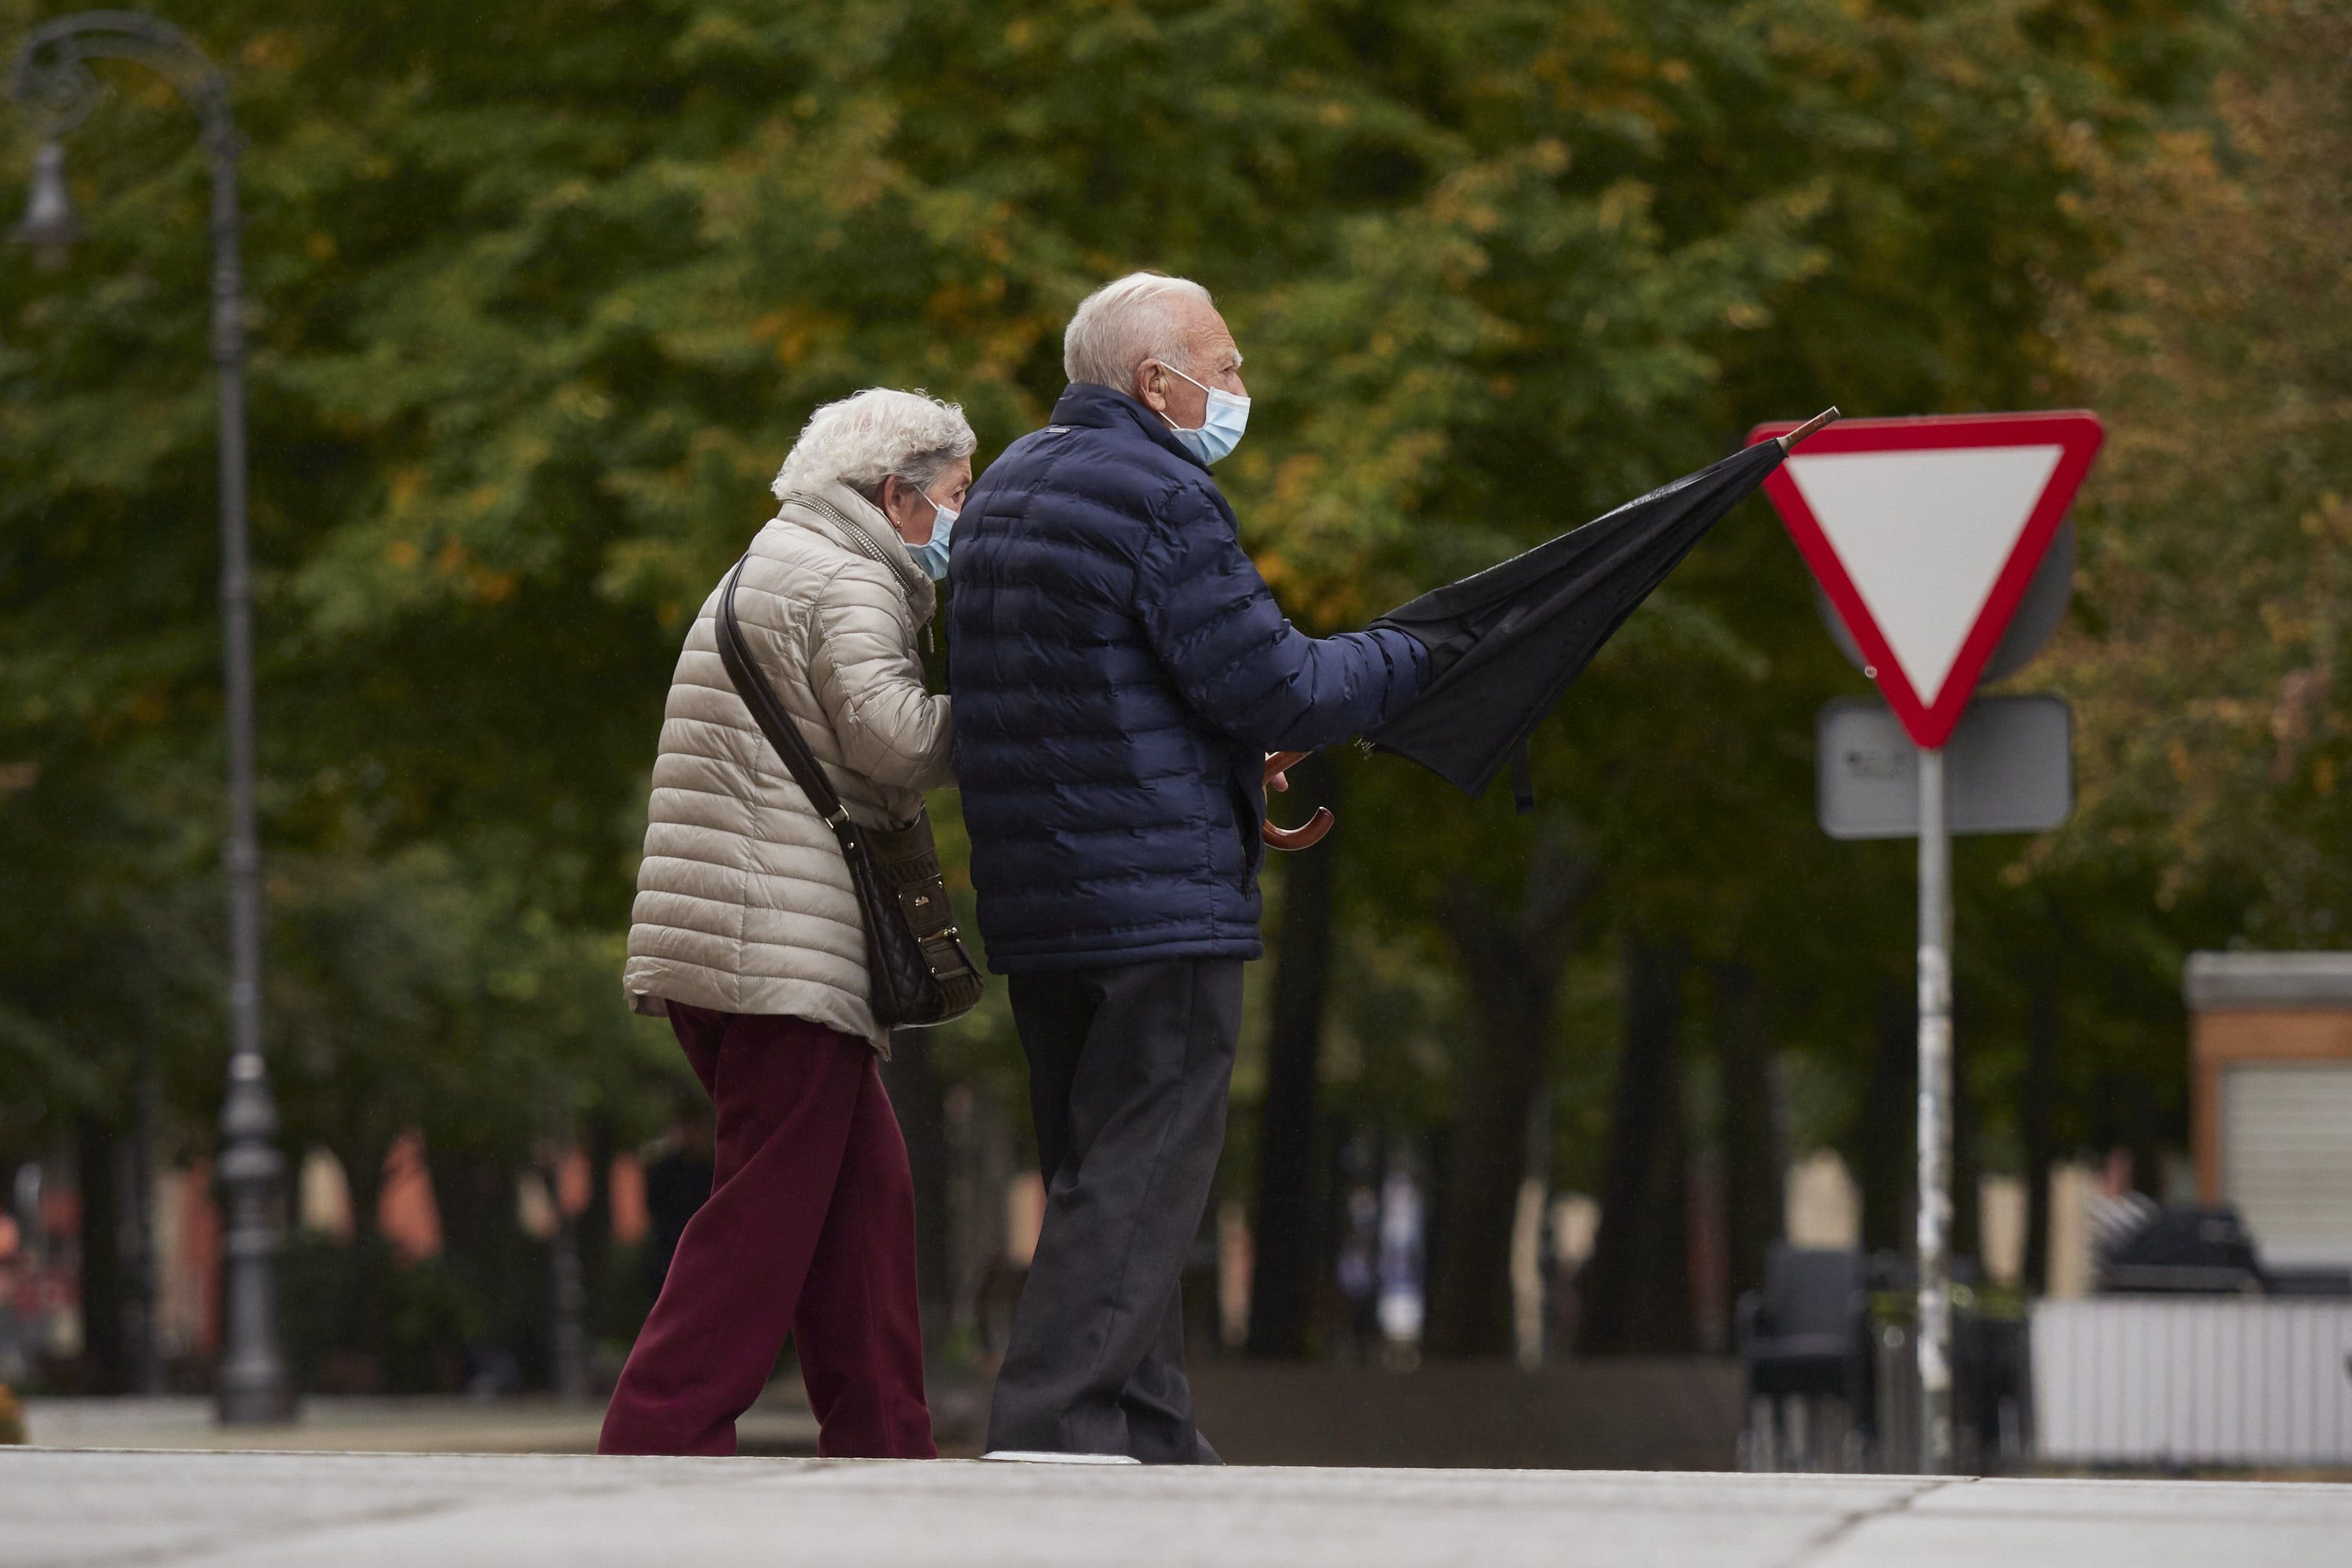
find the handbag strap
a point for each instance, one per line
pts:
(768, 712)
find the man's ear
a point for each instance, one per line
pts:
(1151, 385)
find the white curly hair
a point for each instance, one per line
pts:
(870, 435)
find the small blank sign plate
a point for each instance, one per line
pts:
(2008, 768)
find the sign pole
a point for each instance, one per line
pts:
(1935, 1330)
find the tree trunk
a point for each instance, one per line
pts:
(97, 1153)
(1512, 959)
(146, 1363)
(2036, 1129)
(1885, 1136)
(1754, 1158)
(1967, 1155)
(919, 1095)
(362, 1325)
(2142, 1125)
(592, 1236)
(1289, 1254)
(567, 1304)
(487, 1251)
(1635, 1290)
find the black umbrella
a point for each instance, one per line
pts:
(1504, 644)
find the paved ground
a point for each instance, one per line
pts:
(94, 1509)
(378, 1426)
(1614, 1413)
(1619, 1413)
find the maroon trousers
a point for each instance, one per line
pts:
(810, 1232)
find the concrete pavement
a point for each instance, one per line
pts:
(1619, 1413)
(100, 1509)
(375, 1424)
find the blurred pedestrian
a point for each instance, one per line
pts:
(1121, 672)
(747, 937)
(1402, 1303)
(2115, 1210)
(677, 1183)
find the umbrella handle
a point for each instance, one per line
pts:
(1307, 834)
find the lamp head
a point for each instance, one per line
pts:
(48, 225)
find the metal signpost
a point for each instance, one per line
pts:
(1927, 538)
(1933, 1337)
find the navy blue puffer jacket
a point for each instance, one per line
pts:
(1120, 671)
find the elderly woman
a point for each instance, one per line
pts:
(747, 937)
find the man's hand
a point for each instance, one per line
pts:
(1306, 833)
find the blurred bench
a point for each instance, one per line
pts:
(1805, 1361)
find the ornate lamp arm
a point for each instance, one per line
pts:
(53, 85)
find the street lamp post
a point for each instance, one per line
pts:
(52, 83)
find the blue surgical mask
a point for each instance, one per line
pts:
(1221, 426)
(931, 555)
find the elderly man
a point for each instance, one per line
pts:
(1119, 673)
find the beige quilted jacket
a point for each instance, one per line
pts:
(743, 903)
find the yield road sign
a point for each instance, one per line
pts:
(2030, 624)
(2012, 768)
(1924, 535)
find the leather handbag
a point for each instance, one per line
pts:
(921, 973)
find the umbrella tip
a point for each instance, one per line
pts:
(1826, 416)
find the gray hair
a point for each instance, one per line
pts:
(870, 435)
(1122, 325)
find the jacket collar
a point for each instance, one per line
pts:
(1105, 409)
(848, 521)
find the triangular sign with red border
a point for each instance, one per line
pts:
(1925, 533)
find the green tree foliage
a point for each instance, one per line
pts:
(2203, 656)
(2218, 338)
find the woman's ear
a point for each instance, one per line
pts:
(897, 500)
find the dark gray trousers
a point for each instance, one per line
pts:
(1128, 1068)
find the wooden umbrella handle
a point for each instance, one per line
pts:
(1307, 834)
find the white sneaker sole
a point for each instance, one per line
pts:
(1041, 1457)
